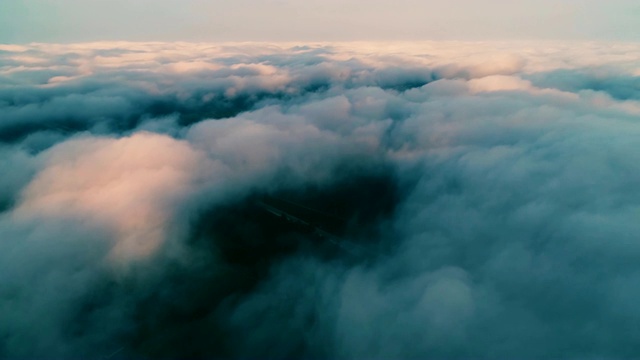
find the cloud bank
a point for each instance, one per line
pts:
(344, 200)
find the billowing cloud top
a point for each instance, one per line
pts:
(344, 200)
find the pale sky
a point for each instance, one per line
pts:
(317, 20)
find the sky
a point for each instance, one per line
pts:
(23, 21)
(170, 191)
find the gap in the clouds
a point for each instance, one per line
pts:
(267, 224)
(6, 204)
(239, 243)
(65, 127)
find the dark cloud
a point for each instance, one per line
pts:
(343, 201)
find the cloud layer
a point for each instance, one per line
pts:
(467, 200)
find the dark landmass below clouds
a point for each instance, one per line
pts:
(430, 200)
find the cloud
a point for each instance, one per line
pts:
(332, 200)
(127, 184)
